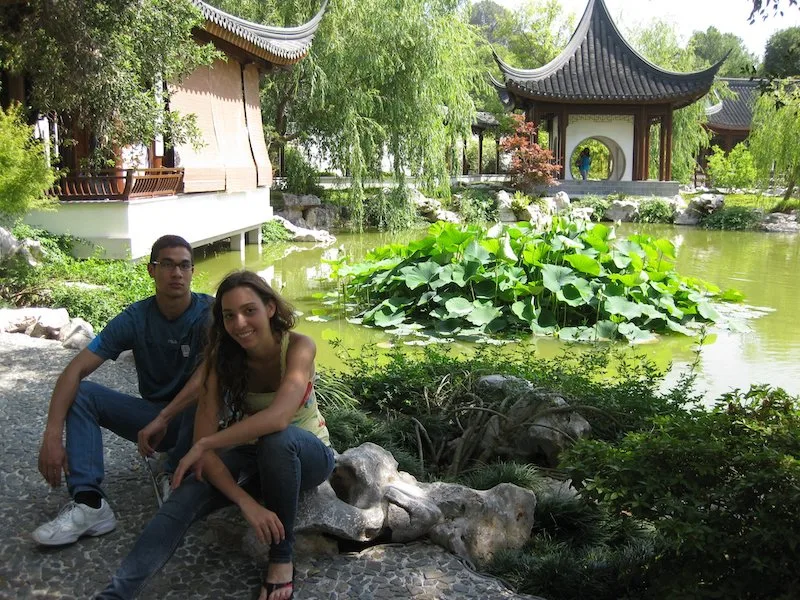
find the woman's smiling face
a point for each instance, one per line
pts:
(246, 317)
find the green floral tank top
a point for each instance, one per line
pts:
(307, 417)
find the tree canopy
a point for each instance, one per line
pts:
(774, 134)
(658, 42)
(397, 76)
(782, 53)
(711, 46)
(97, 63)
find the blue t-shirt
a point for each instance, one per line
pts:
(166, 352)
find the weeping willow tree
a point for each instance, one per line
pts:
(774, 134)
(659, 43)
(396, 77)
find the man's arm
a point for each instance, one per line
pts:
(52, 457)
(151, 435)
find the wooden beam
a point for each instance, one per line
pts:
(668, 119)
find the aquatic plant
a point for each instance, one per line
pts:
(574, 279)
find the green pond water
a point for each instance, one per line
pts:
(764, 349)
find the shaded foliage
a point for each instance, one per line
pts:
(97, 64)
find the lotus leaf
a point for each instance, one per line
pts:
(584, 264)
(420, 274)
(555, 277)
(483, 313)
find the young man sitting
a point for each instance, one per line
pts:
(166, 333)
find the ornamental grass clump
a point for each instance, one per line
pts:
(574, 279)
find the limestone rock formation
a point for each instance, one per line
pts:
(537, 426)
(622, 210)
(367, 497)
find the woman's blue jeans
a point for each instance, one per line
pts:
(97, 407)
(286, 463)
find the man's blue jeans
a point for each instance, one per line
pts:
(288, 462)
(96, 406)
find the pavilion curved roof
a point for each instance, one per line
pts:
(598, 66)
(735, 114)
(278, 45)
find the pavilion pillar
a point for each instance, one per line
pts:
(668, 152)
(562, 139)
(464, 163)
(641, 140)
(480, 152)
(662, 149)
(497, 152)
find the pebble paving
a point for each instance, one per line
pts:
(204, 567)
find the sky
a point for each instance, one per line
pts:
(728, 16)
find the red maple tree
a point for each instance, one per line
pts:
(531, 164)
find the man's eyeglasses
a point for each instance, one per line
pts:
(169, 265)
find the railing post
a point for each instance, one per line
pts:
(128, 183)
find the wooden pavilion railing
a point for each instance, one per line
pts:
(120, 184)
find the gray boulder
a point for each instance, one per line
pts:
(538, 426)
(367, 496)
(303, 234)
(77, 334)
(15, 253)
(622, 210)
(478, 524)
(561, 201)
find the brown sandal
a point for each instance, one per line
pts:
(274, 587)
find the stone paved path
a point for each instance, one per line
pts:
(203, 568)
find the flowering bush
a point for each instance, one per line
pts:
(530, 163)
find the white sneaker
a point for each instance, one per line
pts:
(163, 487)
(75, 520)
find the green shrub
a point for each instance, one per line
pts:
(475, 205)
(732, 218)
(551, 568)
(598, 204)
(25, 175)
(734, 170)
(61, 281)
(720, 487)
(301, 176)
(485, 477)
(655, 210)
(274, 231)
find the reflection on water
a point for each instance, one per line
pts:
(761, 265)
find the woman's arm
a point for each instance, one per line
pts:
(292, 393)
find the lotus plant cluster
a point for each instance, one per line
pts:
(574, 280)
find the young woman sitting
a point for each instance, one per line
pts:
(259, 376)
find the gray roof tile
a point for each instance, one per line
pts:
(735, 113)
(598, 66)
(288, 44)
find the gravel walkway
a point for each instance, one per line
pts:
(203, 568)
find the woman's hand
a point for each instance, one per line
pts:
(192, 460)
(267, 525)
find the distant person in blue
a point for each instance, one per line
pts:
(584, 162)
(167, 334)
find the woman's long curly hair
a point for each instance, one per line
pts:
(225, 355)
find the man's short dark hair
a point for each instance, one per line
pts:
(170, 241)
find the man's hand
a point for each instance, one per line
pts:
(151, 435)
(52, 459)
(267, 525)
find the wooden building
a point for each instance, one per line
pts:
(600, 88)
(730, 119)
(217, 190)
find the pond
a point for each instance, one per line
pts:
(763, 266)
